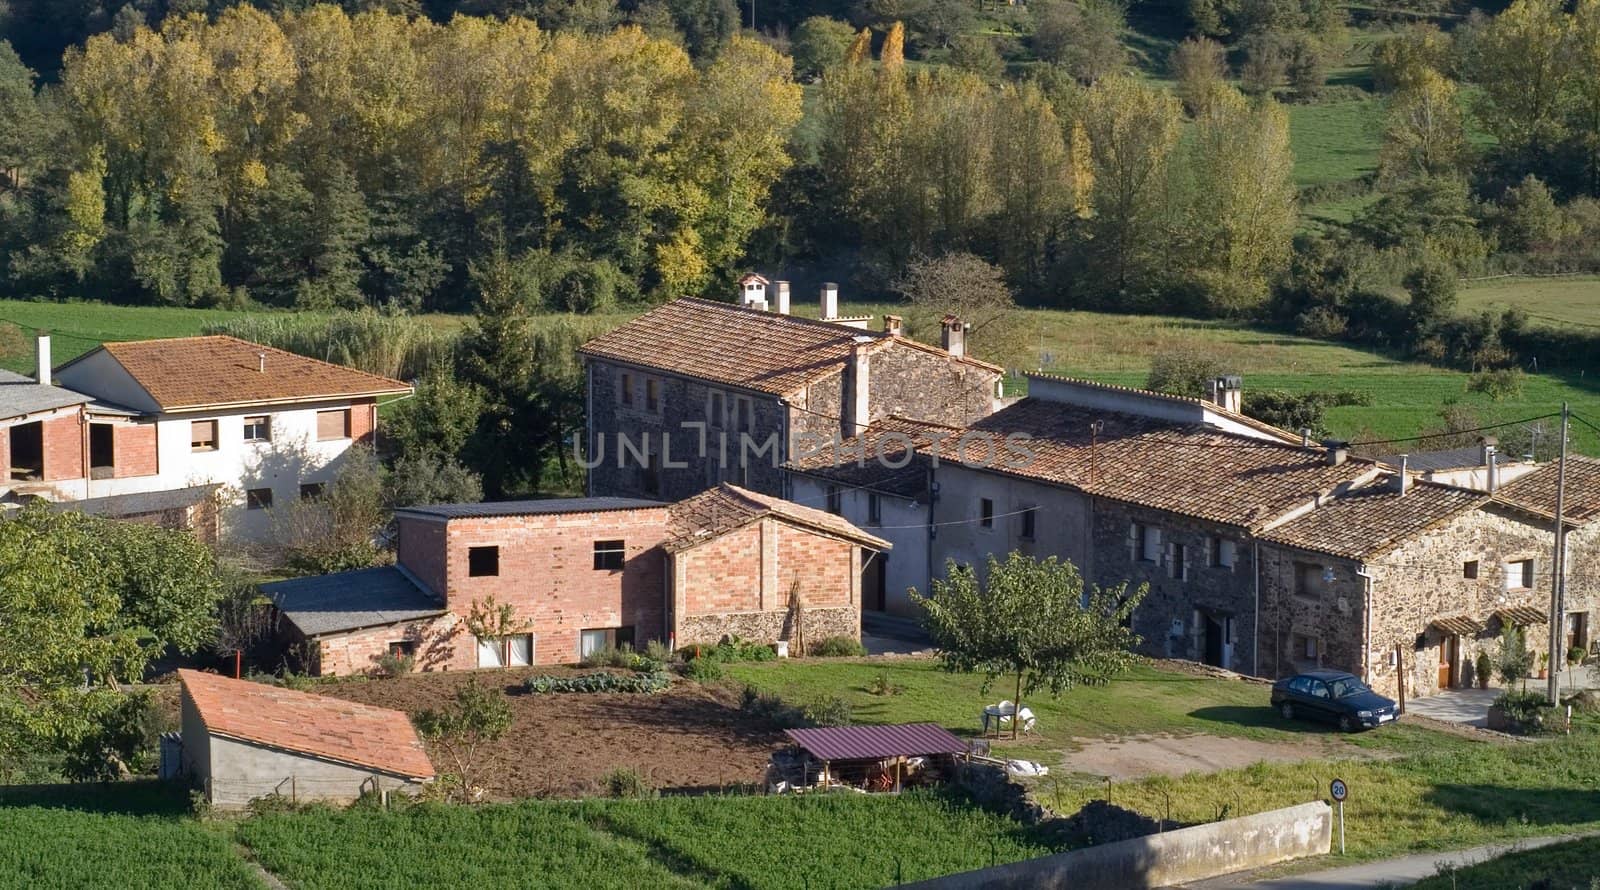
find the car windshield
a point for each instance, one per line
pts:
(1347, 687)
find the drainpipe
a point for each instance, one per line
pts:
(588, 426)
(1255, 636)
(786, 489)
(1366, 644)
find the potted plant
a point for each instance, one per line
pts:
(1485, 667)
(1544, 665)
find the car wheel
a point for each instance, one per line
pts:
(1287, 710)
(1346, 724)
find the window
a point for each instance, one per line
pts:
(1469, 569)
(835, 500)
(202, 435)
(310, 491)
(491, 654)
(1146, 543)
(257, 429)
(650, 475)
(483, 562)
(1319, 689)
(625, 390)
(333, 424)
(652, 394)
(716, 410)
(514, 650)
(258, 499)
(102, 453)
(986, 513)
(1223, 551)
(595, 639)
(744, 415)
(874, 508)
(1519, 574)
(1029, 523)
(1307, 580)
(1179, 563)
(401, 648)
(1305, 647)
(609, 556)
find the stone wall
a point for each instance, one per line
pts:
(909, 381)
(1321, 626)
(769, 627)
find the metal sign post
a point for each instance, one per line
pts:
(1340, 791)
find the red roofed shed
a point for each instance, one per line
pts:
(876, 758)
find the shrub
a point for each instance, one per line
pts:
(730, 650)
(639, 683)
(1485, 666)
(627, 783)
(1530, 712)
(659, 652)
(770, 708)
(829, 710)
(1321, 322)
(881, 685)
(703, 670)
(1501, 383)
(836, 647)
(1576, 654)
(391, 664)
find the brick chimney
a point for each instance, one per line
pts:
(893, 325)
(780, 296)
(857, 414)
(42, 353)
(953, 336)
(830, 301)
(1338, 451)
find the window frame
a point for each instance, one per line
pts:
(1471, 569)
(985, 512)
(258, 498)
(1028, 520)
(401, 648)
(344, 420)
(1178, 562)
(1219, 546)
(652, 395)
(625, 389)
(605, 555)
(264, 421)
(1524, 573)
(835, 500)
(200, 445)
(475, 569)
(874, 508)
(716, 409)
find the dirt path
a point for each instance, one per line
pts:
(1149, 755)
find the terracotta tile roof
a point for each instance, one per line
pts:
(1374, 518)
(1536, 490)
(746, 348)
(300, 722)
(1184, 468)
(893, 456)
(717, 511)
(194, 372)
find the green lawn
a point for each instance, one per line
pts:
(1571, 301)
(1335, 141)
(1440, 798)
(1570, 866)
(129, 835)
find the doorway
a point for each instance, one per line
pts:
(27, 452)
(875, 583)
(1216, 637)
(1449, 648)
(1577, 630)
(102, 455)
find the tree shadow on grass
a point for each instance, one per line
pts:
(141, 797)
(1499, 805)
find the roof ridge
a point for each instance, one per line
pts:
(781, 317)
(1209, 405)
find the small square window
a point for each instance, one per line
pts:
(1469, 570)
(610, 556)
(652, 394)
(333, 424)
(835, 500)
(1029, 521)
(986, 513)
(1223, 551)
(1519, 574)
(257, 429)
(400, 648)
(310, 491)
(483, 562)
(203, 435)
(874, 508)
(258, 499)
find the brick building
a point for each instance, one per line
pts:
(698, 392)
(580, 573)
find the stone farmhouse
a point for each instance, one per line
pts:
(697, 392)
(195, 432)
(578, 574)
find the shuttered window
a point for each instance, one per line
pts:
(333, 424)
(203, 435)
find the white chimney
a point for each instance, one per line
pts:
(1305, 437)
(859, 416)
(42, 348)
(830, 301)
(1402, 482)
(1486, 448)
(893, 325)
(781, 295)
(953, 336)
(261, 362)
(753, 291)
(1338, 451)
(1226, 393)
(1493, 481)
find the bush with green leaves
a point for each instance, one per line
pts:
(1529, 712)
(639, 683)
(828, 710)
(624, 783)
(837, 647)
(703, 670)
(770, 708)
(730, 650)
(395, 664)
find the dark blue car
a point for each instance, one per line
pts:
(1332, 697)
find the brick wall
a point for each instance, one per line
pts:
(421, 550)
(363, 420)
(63, 448)
(133, 450)
(442, 644)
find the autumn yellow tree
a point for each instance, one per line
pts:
(1424, 134)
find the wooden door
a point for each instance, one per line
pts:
(1447, 661)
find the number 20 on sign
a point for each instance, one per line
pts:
(1340, 791)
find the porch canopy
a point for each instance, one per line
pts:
(1461, 625)
(1521, 616)
(831, 743)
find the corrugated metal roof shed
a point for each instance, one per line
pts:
(877, 742)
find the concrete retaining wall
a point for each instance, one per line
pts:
(1159, 860)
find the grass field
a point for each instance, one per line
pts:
(1568, 301)
(1335, 141)
(1570, 866)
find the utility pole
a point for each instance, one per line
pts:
(1558, 592)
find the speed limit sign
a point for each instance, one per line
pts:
(1338, 789)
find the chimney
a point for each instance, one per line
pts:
(858, 416)
(1338, 451)
(1493, 480)
(953, 336)
(1402, 480)
(753, 291)
(830, 301)
(781, 296)
(893, 325)
(261, 362)
(1486, 448)
(42, 373)
(1305, 437)
(1227, 393)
